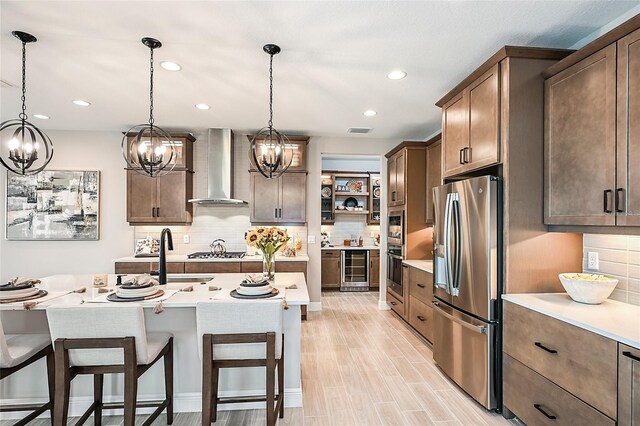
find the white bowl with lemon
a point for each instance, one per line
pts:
(592, 289)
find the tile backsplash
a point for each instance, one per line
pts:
(619, 257)
(229, 223)
(345, 228)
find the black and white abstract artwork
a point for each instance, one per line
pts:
(53, 205)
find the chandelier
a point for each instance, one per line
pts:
(26, 150)
(270, 152)
(147, 148)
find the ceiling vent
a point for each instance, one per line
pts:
(361, 130)
(5, 84)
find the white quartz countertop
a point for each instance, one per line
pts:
(337, 247)
(59, 285)
(183, 258)
(615, 320)
(423, 265)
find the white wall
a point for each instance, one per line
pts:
(76, 151)
(328, 145)
(606, 28)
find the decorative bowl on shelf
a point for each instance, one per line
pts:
(591, 289)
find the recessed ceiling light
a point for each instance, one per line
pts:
(41, 116)
(80, 102)
(170, 66)
(203, 106)
(369, 113)
(397, 75)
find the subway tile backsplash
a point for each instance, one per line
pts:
(619, 257)
(349, 227)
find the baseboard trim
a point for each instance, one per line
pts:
(182, 403)
(314, 306)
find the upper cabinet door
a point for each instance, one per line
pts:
(580, 142)
(391, 171)
(264, 200)
(172, 204)
(455, 134)
(401, 161)
(484, 127)
(141, 198)
(434, 177)
(628, 144)
(292, 197)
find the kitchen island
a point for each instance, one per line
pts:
(179, 318)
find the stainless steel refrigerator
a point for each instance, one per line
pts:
(467, 285)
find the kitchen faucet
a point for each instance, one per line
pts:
(165, 234)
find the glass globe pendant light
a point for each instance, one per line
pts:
(270, 152)
(147, 148)
(24, 149)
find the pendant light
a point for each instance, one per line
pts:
(270, 152)
(24, 149)
(147, 148)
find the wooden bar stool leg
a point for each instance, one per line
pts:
(214, 399)
(51, 379)
(62, 384)
(168, 381)
(98, 387)
(271, 379)
(281, 380)
(130, 383)
(207, 373)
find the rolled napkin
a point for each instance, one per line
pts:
(143, 280)
(254, 281)
(20, 282)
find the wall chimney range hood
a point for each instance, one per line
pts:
(219, 170)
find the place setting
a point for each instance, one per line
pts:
(254, 287)
(21, 289)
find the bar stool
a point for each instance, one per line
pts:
(107, 339)
(240, 334)
(18, 351)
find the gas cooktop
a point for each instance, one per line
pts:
(209, 255)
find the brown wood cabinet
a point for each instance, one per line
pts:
(419, 288)
(159, 200)
(396, 171)
(330, 269)
(421, 317)
(183, 157)
(592, 135)
(146, 267)
(471, 126)
(212, 267)
(299, 147)
(538, 401)
(281, 200)
(374, 268)
(578, 361)
(580, 142)
(396, 305)
(434, 175)
(628, 385)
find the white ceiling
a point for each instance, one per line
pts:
(333, 66)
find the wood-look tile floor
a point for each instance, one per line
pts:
(360, 366)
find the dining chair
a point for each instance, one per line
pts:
(17, 351)
(99, 340)
(237, 334)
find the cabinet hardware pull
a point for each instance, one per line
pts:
(605, 200)
(630, 355)
(157, 211)
(420, 317)
(153, 212)
(461, 159)
(275, 212)
(420, 285)
(466, 150)
(541, 346)
(547, 415)
(393, 195)
(393, 303)
(619, 201)
(280, 213)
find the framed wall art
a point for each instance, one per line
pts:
(57, 205)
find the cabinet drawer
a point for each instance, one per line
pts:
(133, 267)
(395, 304)
(330, 253)
(577, 360)
(252, 267)
(421, 317)
(529, 396)
(211, 267)
(421, 285)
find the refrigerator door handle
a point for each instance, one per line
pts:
(476, 328)
(447, 245)
(455, 217)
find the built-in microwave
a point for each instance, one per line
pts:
(395, 233)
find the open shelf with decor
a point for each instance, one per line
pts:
(374, 200)
(327, 195)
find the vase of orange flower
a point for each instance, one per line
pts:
(269, 241)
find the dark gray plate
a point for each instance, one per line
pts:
(237, 295)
